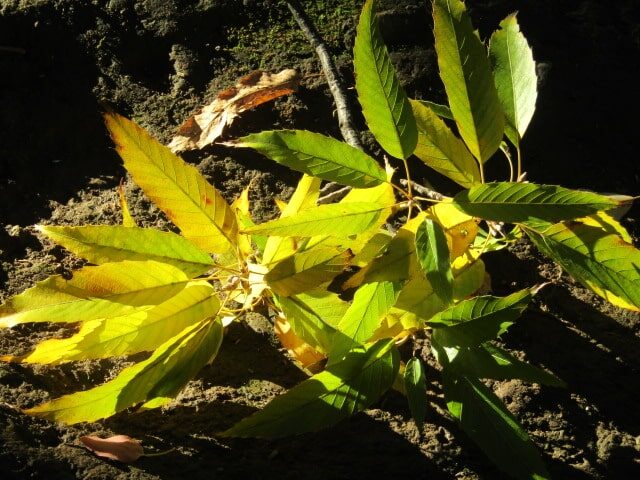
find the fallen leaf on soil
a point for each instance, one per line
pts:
(250, 91)
(121, 448)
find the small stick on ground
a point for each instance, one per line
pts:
(345, 119)
(332, 191)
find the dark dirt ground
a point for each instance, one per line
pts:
(156, 61)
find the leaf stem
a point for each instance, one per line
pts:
(519, 157)
(505, 149)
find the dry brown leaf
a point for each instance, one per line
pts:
(121, 448)
(250, 91)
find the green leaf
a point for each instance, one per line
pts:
(305, 270)
(341, 390)
(178, 189)
(443, 111)
(521, 202)
(492, 427)
(600, 260)
(313, 316)
(441, 150)
(161, 376)
(338, 219)
(474, 321)
(489, 361)
(139, 331)
(415, 385)
(385, 105)
(433, 255)
(104, 243)
(317, 155)
(515, 76)
(104, 291)
(371, 303)
(468, 80)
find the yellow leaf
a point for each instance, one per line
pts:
(162, 375)
(140, 331)
(297, 348)
(397, 262)
(113, 243)
(607, 223)
(104, 291)
(304, 197)
(460, 228)
(305, 270)
(127, 219)
(241, 208)
(177, 188)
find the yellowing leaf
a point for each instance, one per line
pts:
(313, 315)
(139, 331)
(241, 208)
(607, 223)
(104, 243)
(127, 219)
(104, 291)
(441, 150)
(459, 228)
(305, 270)
(252, 90)
(382, 195)
(297, 348)
(371, 303)
(305, 196)
(177, 188)
(162, 375)
(417, 302)
(338, 219)
(603, 261)
(398, 260)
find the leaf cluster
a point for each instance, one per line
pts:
(172, 294)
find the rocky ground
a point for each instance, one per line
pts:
(158, 60)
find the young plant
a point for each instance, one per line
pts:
(164, 293)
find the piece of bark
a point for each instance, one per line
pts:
(254, 89)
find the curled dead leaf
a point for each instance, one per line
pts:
(121, 448)
(254, 89)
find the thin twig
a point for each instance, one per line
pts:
(335, 195)
(345, 120)
(422, 190)
(8, 49)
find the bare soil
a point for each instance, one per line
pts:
(158, 60)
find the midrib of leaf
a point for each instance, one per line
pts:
(378, 52)
(148, 255)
